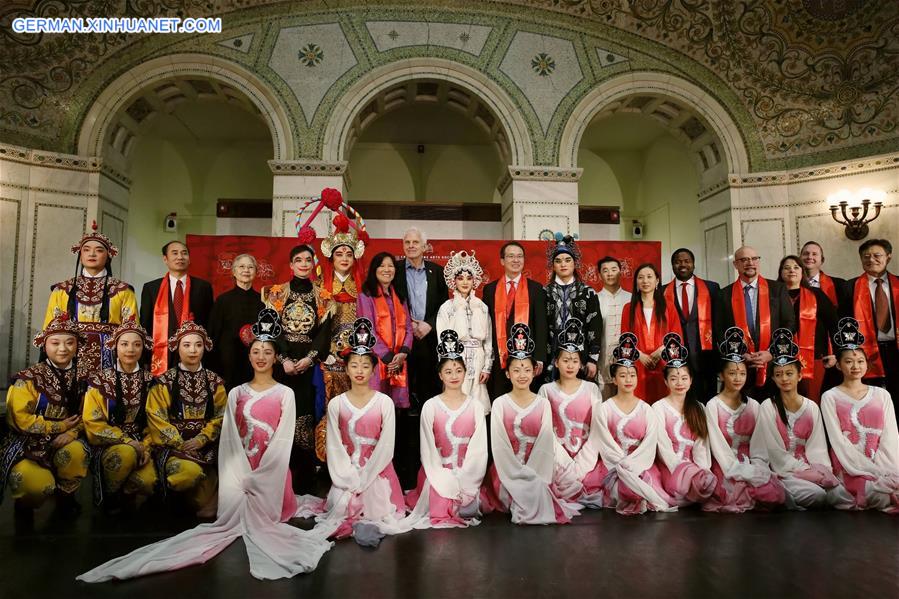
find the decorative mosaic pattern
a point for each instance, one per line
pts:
(805, 82)
(544, 68)
(388, 35)
(324, 47)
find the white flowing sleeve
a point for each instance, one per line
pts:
(383, 453)
(543, 454)
(474, 467)
(816, 446)
(665, 447)
(609, 450)
(767, 444)
(441, 478)
(344, 475)
(853, 461)
(586, 459)
(488, 340)
(444, 316)
(721, 451)
(887, 456)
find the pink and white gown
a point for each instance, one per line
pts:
(364, 485)
(521, 479)
(453, 464)
(797, 453)
(254, 499)
(864, 446)
(742, 484)
(627, 446)
(573, 425)
(684, 459)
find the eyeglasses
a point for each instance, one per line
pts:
(514, 257)
(748, 259)
(873, 256)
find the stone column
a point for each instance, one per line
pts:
(539, 198)
(296, 182)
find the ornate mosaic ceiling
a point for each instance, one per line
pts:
(806, 81)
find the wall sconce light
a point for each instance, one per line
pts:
(853, 210)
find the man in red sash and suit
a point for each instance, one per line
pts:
(812, 256)
(758, 306)
(873, 300)
(517, 299)
(165, 304)
(696, 301)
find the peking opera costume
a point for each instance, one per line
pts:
(99, 303)
(338, 292)
(255, 499)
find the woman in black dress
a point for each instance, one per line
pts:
(232, 311)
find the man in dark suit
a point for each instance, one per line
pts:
(872, 298)
(741, 306)
(812, 256)
(697, 306)
(187, 297)
(513, 294)
(421, 282)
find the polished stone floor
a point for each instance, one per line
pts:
(685, 554)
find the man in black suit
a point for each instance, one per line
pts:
(502, 317)
(187, 296)
(697, 306)
(757, 321)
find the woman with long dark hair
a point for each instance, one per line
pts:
(816, 322)
(650, 318)
(684, 458)
(382, 304)
(791, 435)
(732, 416)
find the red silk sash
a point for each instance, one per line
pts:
(522, 310)
(825, 283)
(808, 313)
(863, 308)
(392, 335)
(159, 362)
(738, 306)
(703, 309)
(646, 342)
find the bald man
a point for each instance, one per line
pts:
(758, 306)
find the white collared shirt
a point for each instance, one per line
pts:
(516, 280)
(611, 305)
(753, 294)
(87, 275)
(691, 291)
(872, 285)
(340, 277)
(173, 283)
(815, 281)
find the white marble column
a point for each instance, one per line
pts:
(539, 198)
(47, 202)
(295, 183)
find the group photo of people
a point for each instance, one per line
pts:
(377, 395)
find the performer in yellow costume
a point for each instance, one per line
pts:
(184, 413)
(95, 299)
(45, 451)
(115, 420)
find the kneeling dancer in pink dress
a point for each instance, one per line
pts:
(742, 484)
(365, 500)
(255, 497)
(861, 425)
(453, 448)
(684, 458)
(523, 477)
(791, 435)
(573, 402)
(628, 436)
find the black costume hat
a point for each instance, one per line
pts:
(571, 338)
(362, 339)
(520, 344)
(783, 350)
(734, 347)
(674, 352)
(848, 336)
(626, 352)
(450, 348)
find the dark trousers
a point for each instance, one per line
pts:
(406, 452)
(705, 375)
(423, 380)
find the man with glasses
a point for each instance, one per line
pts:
(514, 298)
(873, 299)
(759, 306)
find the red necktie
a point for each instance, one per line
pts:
(684, 301)
(178, 301)
(881, 307)
(510, 301)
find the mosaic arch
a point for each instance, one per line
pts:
(681, 106)
(803, 82)
(344, 123)
(118, 114)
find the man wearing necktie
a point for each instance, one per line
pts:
(759, 306)
(873, 299)
(697, 306)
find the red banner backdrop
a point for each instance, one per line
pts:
(211, 256)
